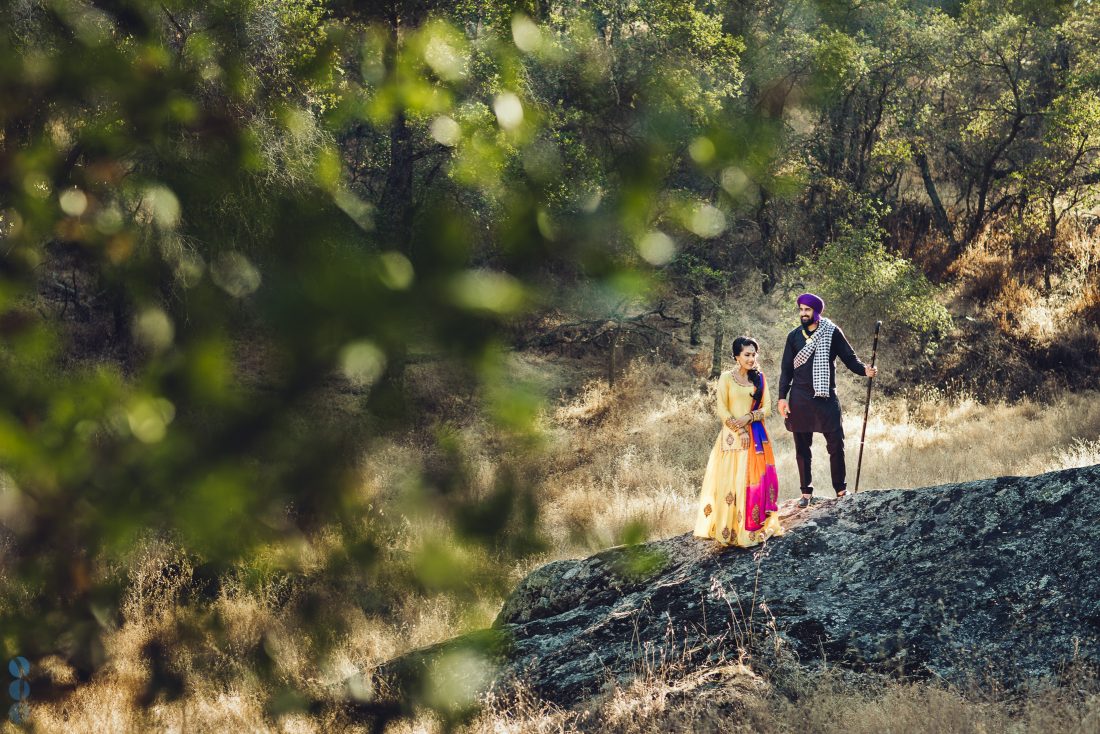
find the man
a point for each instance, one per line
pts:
(809, 376)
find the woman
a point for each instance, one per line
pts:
(740, 487)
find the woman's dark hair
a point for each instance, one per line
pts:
(739, 345)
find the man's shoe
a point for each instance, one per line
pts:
(804, 502)
(841, 494)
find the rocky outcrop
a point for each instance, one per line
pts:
(997, 578)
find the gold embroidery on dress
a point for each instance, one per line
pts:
(706, 511)
(729, 498)
(725, 533)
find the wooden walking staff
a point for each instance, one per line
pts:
(867, 409)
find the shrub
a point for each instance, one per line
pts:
(856, 274)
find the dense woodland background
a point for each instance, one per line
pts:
(322, 321)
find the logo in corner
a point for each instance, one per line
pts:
(19, 690)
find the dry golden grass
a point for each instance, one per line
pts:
(734, 698)
(637, 452)
(611, 457)
(1042, 295)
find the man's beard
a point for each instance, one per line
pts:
(806, 320)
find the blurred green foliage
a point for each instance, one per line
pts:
(242, 201)
(633, 560)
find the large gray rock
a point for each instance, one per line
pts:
(990, 579)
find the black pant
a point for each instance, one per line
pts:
(834, 443)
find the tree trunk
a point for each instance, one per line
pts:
(939, 213)
(1052, 239)
(763, 220)
(716, 357)
(985, 182)
(396, 201)
(612, 355)
(771, 276)
(696, 319)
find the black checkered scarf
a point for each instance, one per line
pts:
(823, 337)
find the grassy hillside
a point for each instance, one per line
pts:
(613, 464)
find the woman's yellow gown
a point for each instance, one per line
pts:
(721, 513)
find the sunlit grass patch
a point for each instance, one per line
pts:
(615, 459)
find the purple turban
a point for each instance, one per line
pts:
(814, 302)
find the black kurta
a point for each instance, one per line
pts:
(808, 413)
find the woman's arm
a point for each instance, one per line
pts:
(725, 406)
(725, 410)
